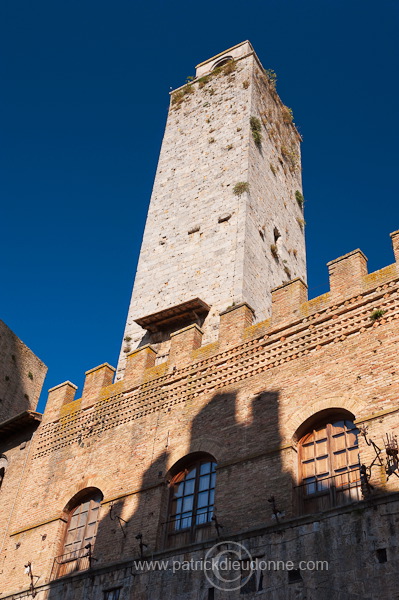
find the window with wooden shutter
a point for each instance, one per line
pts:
(82, 527)
(329, 466)
(80, 535)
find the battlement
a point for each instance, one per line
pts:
(356, 302)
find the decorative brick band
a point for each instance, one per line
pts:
(330, 326)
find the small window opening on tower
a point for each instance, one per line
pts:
(294, 576)
(248, 578)
(382, 555)
(211, 594)
(222, 62)
(260, 583)
(113, 594)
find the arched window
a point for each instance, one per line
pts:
(192, 493)
(329, 464)
(221, 62)
(81, 531)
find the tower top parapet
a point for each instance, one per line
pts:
(234, 53)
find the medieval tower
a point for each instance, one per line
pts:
(225, 222)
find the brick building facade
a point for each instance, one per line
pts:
(244, 415)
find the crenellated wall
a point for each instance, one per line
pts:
(241, 399)
(344, 311)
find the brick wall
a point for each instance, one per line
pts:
(242, 400)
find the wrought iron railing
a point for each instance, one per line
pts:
(315, 495)
(77, 560)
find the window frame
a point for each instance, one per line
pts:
(94, 505)
(113, 593)
(339, 482)
(186, 467)
(80, 557)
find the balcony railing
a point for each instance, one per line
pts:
(315, 495)
(78, 560)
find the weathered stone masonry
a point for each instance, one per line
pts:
(22, 377)
(201, 239)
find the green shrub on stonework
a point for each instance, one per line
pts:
(299, 198)
(203, 81)
(288, 115)
(240, 188)
(178, 97)
(377, 314)
(229, 67)
(256, 128)
(271, 76)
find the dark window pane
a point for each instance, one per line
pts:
(191, 474)
(204, 483)
(202, 499)
(205, 468)
(189, 487)
(186, 522)
(201, 518)
(179, 489)
(188, 503)
(176, 506)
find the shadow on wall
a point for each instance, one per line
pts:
(175, 505)
(238, 439)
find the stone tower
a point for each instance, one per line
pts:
(225, 223)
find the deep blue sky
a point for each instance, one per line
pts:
(83, 103)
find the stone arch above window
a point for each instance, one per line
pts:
(221, 62)
(191, 501)
(81, 496)
(332, 404)
(328, 461)
(323, 416)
